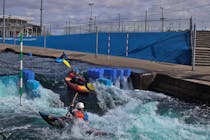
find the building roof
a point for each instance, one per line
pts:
(17, 17)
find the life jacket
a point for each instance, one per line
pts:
(81, 115)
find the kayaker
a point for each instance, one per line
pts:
(76, 78)
(64, 56)
(78, 112)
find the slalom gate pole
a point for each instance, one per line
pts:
(21, 66)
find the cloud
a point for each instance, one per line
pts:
(78, 11)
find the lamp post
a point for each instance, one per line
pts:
(41, 13)
(162, 20)
(3, 37)
(91, 12)
(146, 20)
(119, 22)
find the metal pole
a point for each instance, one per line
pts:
(162, 20)
(191, 34)
(45, 36)
(119, 22)
(41, 12)
(45, 40)
(146, 21)
(191, 24)
(50, 29)
(194, 47)
(91, 12)
(127, 44)
(66, 29)
(69, 29)
(21, 66)
(96, 41)
(95, 21)
(3, 37)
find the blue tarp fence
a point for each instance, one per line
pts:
(170, 47)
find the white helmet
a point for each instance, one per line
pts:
(80, 105)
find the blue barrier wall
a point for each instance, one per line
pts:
(171, 47)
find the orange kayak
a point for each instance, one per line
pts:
(84, 88)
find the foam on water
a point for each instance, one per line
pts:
(133, 115)
(137, 119)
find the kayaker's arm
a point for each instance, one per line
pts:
(85, 116)
(71, 107)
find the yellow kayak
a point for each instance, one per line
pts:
(66, 63)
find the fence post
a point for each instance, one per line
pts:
(44, 37)
(126, 44)
(45, 40)
(191, 34)
(108, 45)
(96, 41)
(191, 24)
(193, 49)
(191, 39)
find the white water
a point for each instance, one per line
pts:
(135, 119)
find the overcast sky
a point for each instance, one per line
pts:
(57, 12)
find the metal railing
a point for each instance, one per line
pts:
(154, 25)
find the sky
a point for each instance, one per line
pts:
(59, 13)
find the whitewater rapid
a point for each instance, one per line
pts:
(131, 115)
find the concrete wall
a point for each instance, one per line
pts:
(179, 88)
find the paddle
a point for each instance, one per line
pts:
(75, 96)
(66, 63)
(72, 103)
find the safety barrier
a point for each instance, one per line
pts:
(28, 75)
(170, 47)
(108, 75)
(105, 81)
(31, 85)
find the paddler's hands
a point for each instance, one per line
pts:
(71, 106)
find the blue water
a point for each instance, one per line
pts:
(142, 115)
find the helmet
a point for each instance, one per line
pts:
(71, 74)
(80, 105)
(76, 70)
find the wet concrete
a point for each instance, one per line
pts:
(186, 90)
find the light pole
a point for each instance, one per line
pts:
(3, 37)
(91, 12)
(41, 9)
(119, 21)
(162, 20)
(146, 20)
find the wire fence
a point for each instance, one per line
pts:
(150, 25)
(155, 25)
